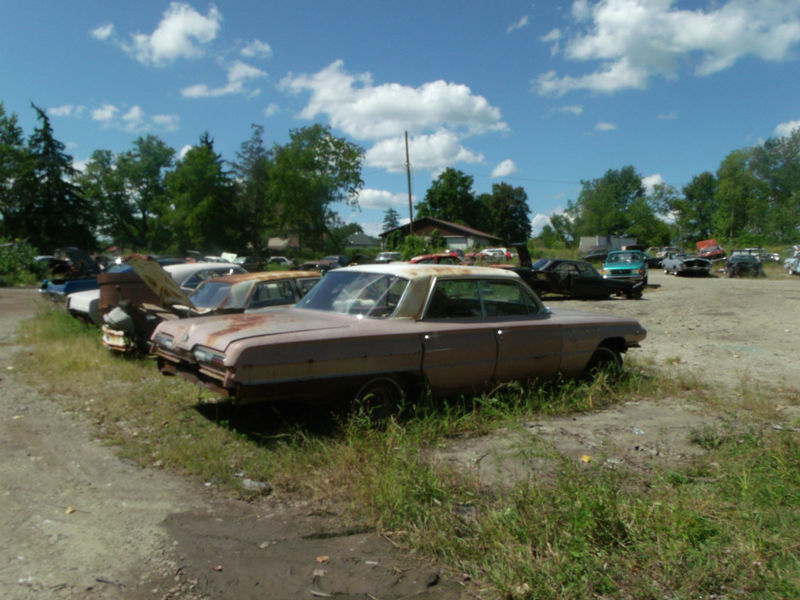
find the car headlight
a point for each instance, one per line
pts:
(164, 340)
(208, 356)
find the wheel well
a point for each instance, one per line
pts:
(617, 344)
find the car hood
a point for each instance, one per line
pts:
(219, 331)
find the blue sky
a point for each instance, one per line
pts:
(537, 94)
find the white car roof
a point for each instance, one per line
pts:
(426, 271)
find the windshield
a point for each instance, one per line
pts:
(210, 294)
(540, 264)
(356, 293)
(625, 257)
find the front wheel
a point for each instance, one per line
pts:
(604, 360)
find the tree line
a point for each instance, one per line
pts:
(147, 198)
(752, 199)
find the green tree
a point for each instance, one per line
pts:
(14, 162)
(102, 185)
(450, 198)
(698, 206)
(54, 212)
(312, 171)
(740, 198)
(138, 216)
(603, 205)
(391, 219)
(201, 193)
(776, 164)
(508, 213)
(256, 207)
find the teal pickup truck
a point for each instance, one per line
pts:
(630, 265)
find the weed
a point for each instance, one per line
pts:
(725, 525)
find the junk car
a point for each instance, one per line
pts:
(128, 326)
(741, 264)
(689, 265)
(384, 332)
(627, 265)
(575, 279)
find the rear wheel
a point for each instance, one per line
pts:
(606, 360)
(381, 396)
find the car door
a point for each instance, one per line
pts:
(529, 343)
(459, 346)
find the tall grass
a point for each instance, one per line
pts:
(723, 526)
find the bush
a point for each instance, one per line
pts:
(17, 264)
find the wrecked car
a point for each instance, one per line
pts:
(689, 265)
(438, 258)
(385, 332)
(128, 326)
(741, 264)
(792, 265)
(629, 265)
(575, 279)
(710, 249)
(71, 270)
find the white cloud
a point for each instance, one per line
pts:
(670, 116)
(538, 222)
(383, 200)
(523, 22)
(257, 49)
(637, 40)
(103, 32)
(166, 122)
(271, 110)
(105, 113)
(427, 152)
(651, 181)
(184, 151)
(573, 109)
(66, 110)
(603, 126)
(372, 112)
(239, 73)
(786, 129)
(181, 34)
(505, 168)
(133, 120)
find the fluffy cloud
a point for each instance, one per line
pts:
(785, 129)
(523, 22)
(66, 110)
(133, 120)
(505, 168)
(651, 181)
(257, 49)
(383, 200)
(103, 32)
(239, 73)
(181, 34)
(438, 115)
(427, 152)
(636, 40)
(371, 112)
(538, 222)
(602, 126)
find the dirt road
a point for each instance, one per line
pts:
(78, 522)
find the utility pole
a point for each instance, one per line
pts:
(408, 176)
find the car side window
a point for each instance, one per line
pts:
(272, 293)
(506, 299)
(462, 299)
(454, 299)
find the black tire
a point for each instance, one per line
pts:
(644, 283)
(381, 396)
(605, 359)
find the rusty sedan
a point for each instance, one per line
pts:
(388, 331)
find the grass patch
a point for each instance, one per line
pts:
(725, 525)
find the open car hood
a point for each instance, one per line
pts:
(158, 280)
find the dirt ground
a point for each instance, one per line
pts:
(76, 521)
